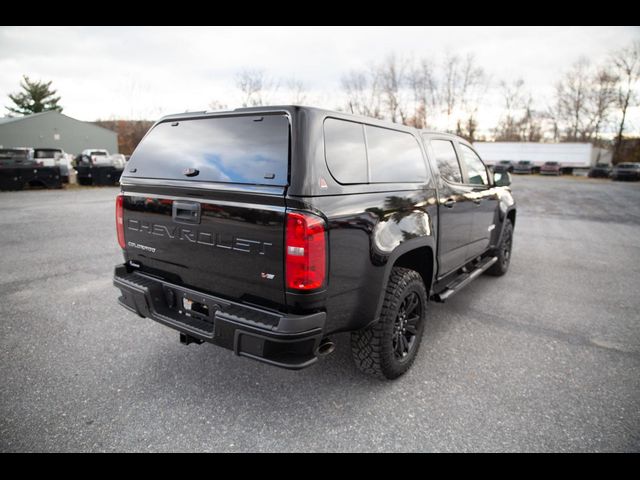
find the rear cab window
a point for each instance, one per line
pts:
(346, 151)
(394, 156)
(358, 153)
(245, 149)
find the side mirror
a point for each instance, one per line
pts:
(501, 179)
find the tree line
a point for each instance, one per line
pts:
(590, 102)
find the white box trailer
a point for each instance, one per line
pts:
(569, 155)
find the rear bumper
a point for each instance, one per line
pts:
(282, 340)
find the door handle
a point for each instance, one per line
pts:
(449, 203)
(477, 201)
(186, 212)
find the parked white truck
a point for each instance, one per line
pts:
(96, 166)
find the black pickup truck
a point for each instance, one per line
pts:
(267, 230)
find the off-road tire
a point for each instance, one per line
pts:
(503, 252)
(374, 348)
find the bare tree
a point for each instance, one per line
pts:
(450, 95)
(627, 65)
(601, 98)
(583, 102)
(130, 132)
(362, 89)
(255, 86)
(467, 128)
(571, 100)
(297, 91)
(392, 79)
(379, 91)
(474, 84)
(530, 124)
(520, 122)
(508, 126)
(462, 87)
(553, 123)
(421, 79)
(418, 94)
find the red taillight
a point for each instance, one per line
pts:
(120, 219)
(305, 251)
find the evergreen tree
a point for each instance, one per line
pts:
(35, 97)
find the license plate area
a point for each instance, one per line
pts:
(191, 309)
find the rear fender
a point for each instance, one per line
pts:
(408, 246)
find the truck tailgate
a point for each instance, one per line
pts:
(226, 244)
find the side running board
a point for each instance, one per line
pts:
(464, 279)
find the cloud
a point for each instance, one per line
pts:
(106, 72)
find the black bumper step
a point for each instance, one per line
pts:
(280, 339)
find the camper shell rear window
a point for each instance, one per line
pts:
(245, 149)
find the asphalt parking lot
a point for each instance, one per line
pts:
(546, 358)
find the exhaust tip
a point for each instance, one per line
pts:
(326, 347)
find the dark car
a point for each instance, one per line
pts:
(550, 168)
(17, 157)
(523, 166)
(503, 166)
(600, 170)
(267, 230)
(20, 168)
(626, 171)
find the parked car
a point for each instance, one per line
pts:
(47, 157)
(19, 168)
(626, 171)
(503, 166)
(523, 166)
(600, 170)
(96, 166)
(550, 168)
(55, 157)
(285, 225)
(16, 157)
(95, 157)
(101, 158)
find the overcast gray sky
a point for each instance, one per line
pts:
(129, 72)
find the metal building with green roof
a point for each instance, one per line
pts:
(55, 130)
